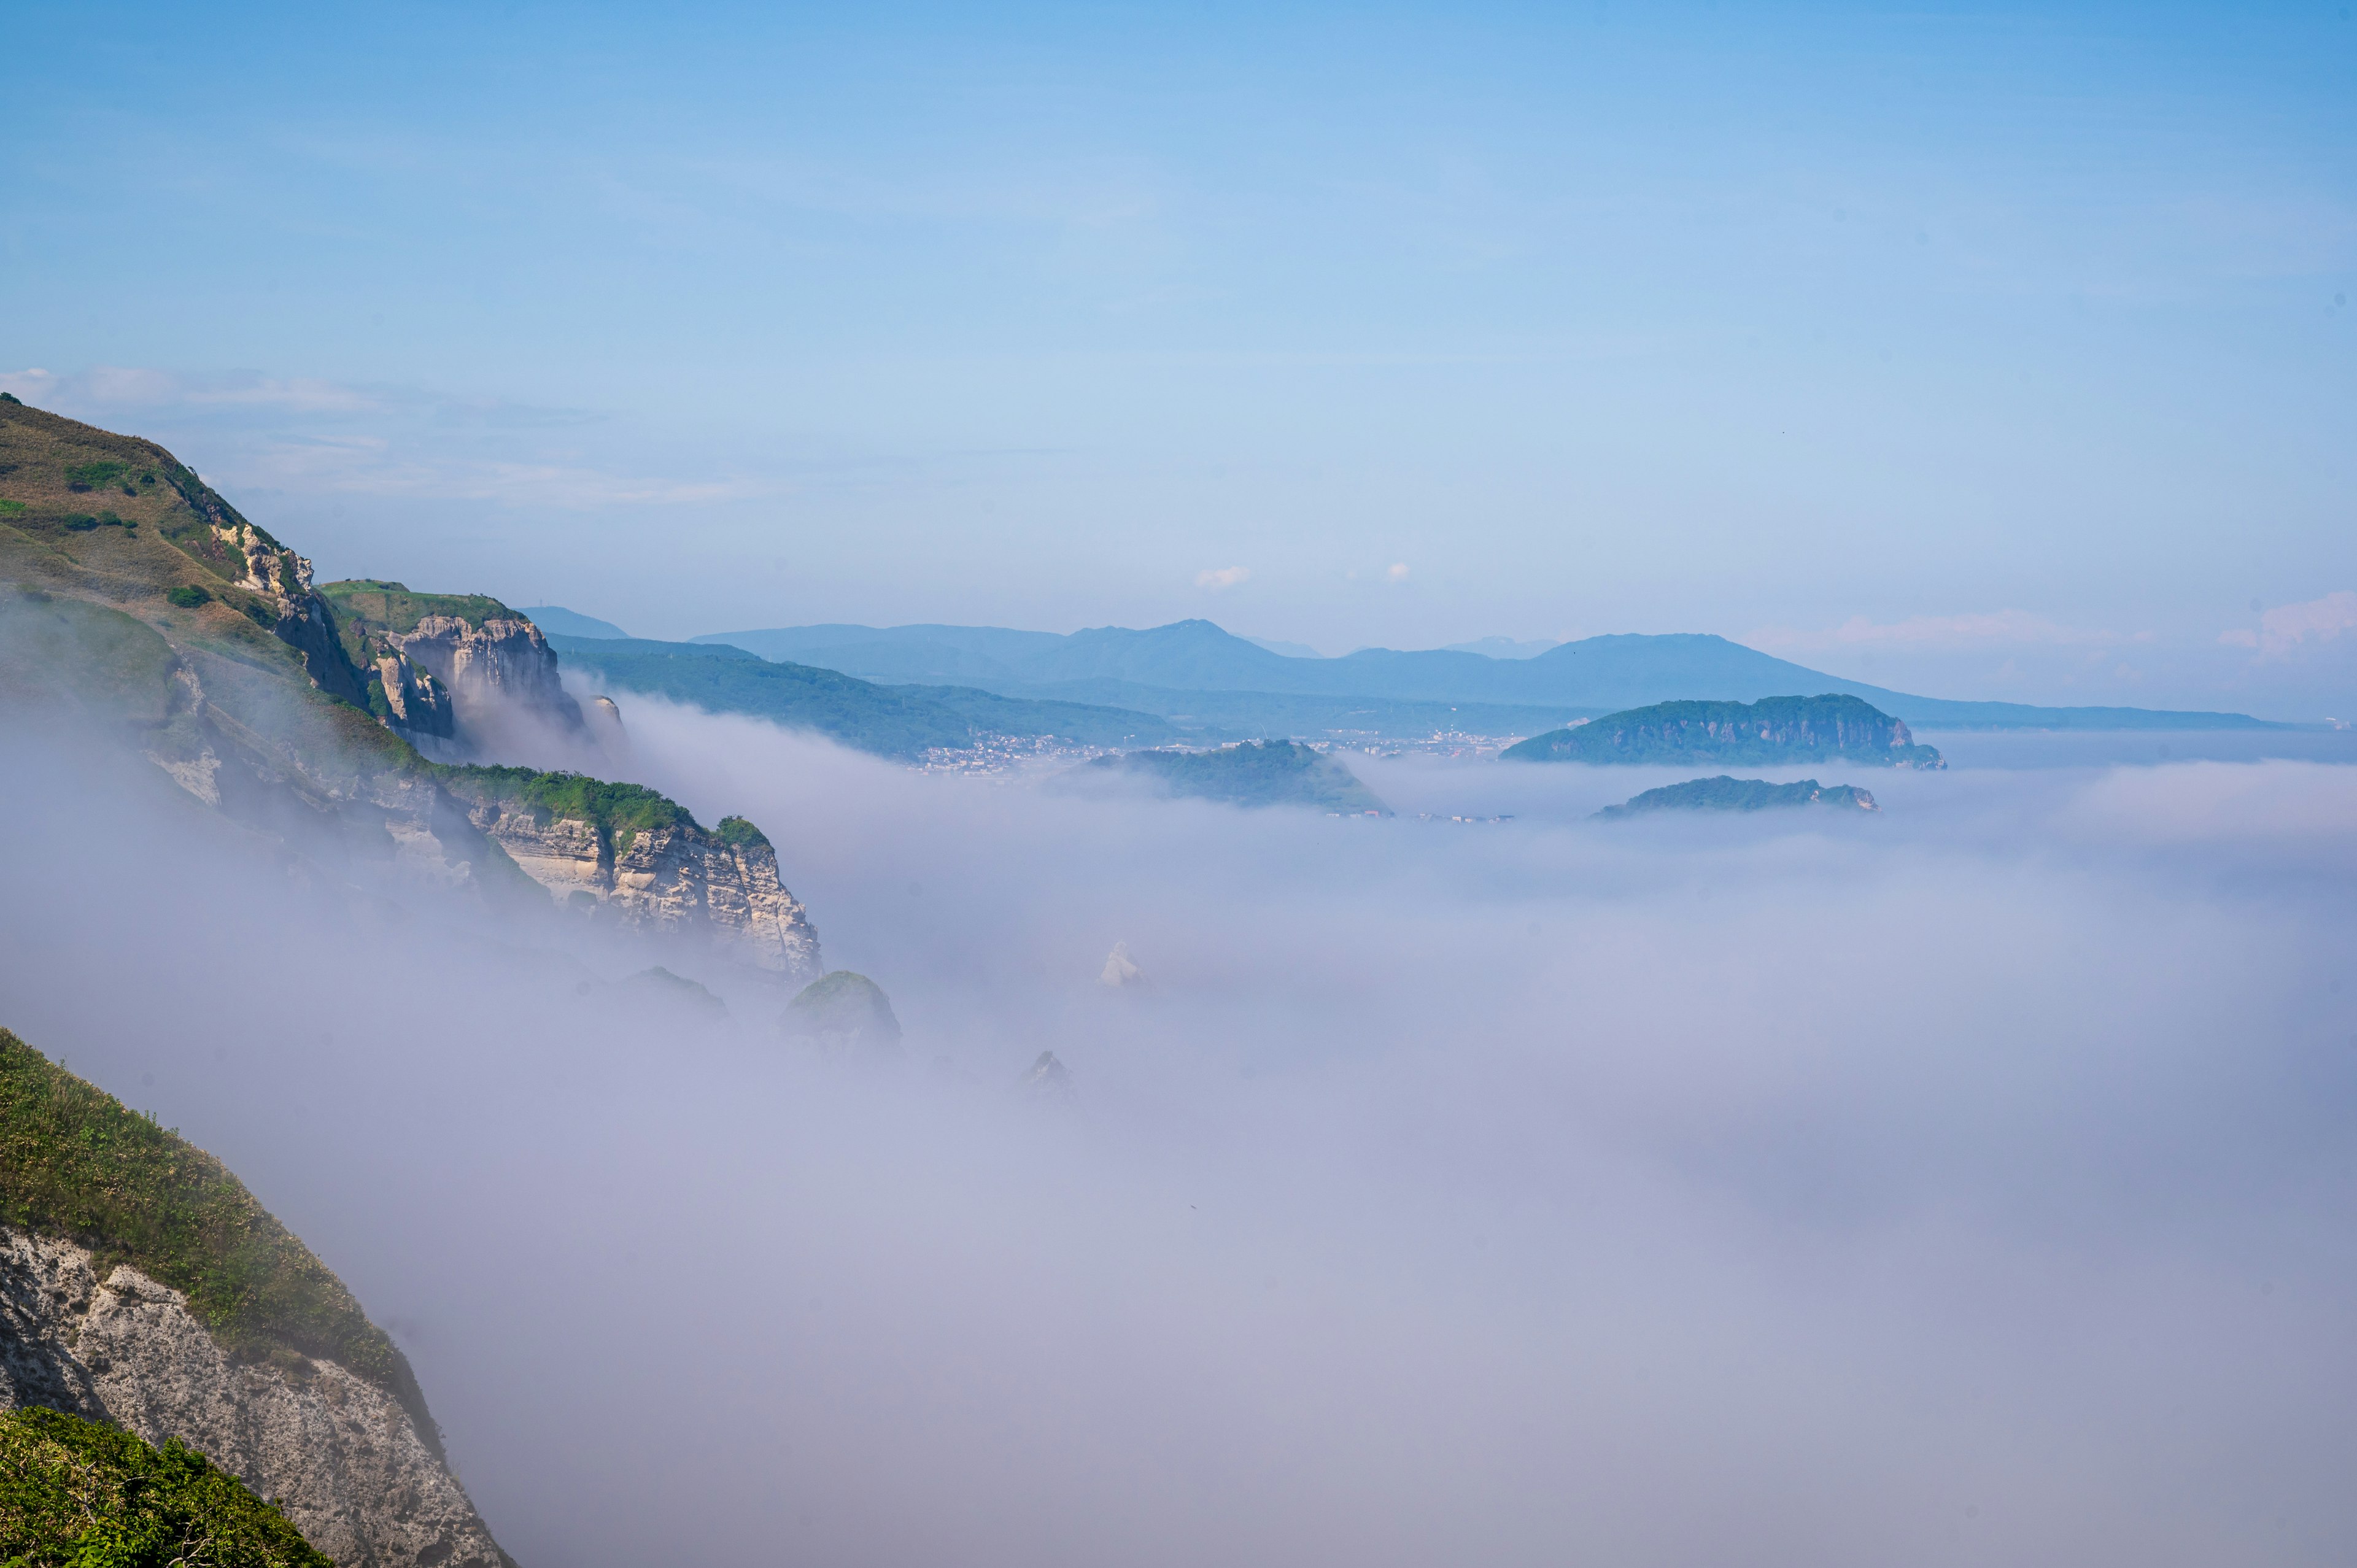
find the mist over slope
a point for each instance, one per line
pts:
(1963, 1183)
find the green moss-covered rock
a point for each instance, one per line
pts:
(842, 1011)
(78, 1493)
(1254, 773)
(1726, 794)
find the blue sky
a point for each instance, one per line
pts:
(1987, 352)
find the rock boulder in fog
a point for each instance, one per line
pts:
(844, 1012)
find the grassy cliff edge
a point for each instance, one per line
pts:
(76, 1163)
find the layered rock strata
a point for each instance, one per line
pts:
(339, 1454)
(679, 879)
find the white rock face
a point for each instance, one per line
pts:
(1120, 968)
(420, 704)
(497, 673)
(340, 1454)
(678, 880)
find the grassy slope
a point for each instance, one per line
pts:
(90, 624)
(254, 681)
(1677, 734)
(78, 1493)
(74, 1162)
(392, 607)
(1256, 773)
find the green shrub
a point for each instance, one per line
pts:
(187, 596)
(89, 476)
(79, 1494)
(736, 830)
(11, 397)
(12, 509)
(80, 522)
(622, 811)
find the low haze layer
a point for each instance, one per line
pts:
(1956, 1182)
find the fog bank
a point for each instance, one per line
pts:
(1966, 1183)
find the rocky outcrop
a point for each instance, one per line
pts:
(677, 879)
(415, 702)
(342, 1457)
(498, 670)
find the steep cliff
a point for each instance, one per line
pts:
(628, 855)
(482, 669)
(185, 633)
(141, 1283)
(1771, 730)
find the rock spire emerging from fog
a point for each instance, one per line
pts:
(1047, 1078)
(1120, 968)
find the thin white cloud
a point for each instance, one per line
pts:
(1222, 577)
(1398, 573)
(2287, 627)
(360, 467)
(135, 386)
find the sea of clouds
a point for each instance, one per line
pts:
(1971, 1182)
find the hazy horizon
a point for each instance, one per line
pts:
(1965, 351)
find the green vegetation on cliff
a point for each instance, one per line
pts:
(79, 1494)
(365, 610)
(390, 607)
(76, 1163)
(1728, 794)
(1770, 731)
(1252, 773)
(631, 808)
(619, 812)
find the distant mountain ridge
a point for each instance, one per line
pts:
(1594, 675)
(895, 721)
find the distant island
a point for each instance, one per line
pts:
(1253, 773)
(1772, 730)
(1726, 794)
